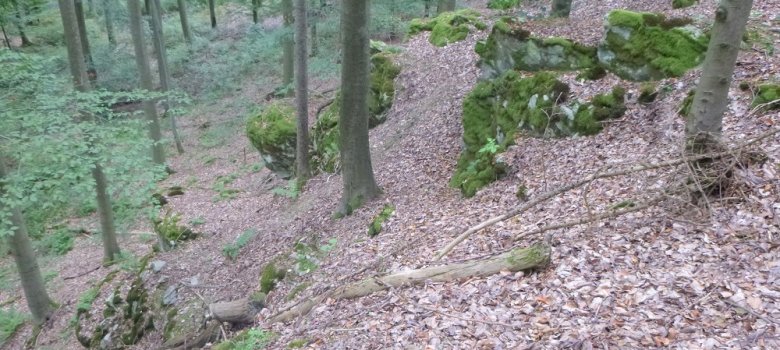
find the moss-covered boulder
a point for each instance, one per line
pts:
(642, 46)
(325, 138)
(496, 110)
(273, 132)
(383, 74)
(509, 46)
(448, 27)
(767, 94)
(678, 4)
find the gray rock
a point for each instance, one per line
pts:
(158, 265)
(170, 296)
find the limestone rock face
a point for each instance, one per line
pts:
(647, 46)
(273, 133)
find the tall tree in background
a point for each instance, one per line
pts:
(19, 22)
(185, 23)
(162, 66)
(81, 82)
(142, 63)
(108, 16)
(427, 4)
(560, 8)
(302, 170)
(315, 18)
(445, 6)
(26, 263)
(212, 14)
(84, 39)
(287, 43)
(256, 4)
(705, 124)
(357, 173)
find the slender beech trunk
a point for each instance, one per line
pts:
(142, 63)
(560, 8)
(108, 15)
(34, 288)
(20, 23)
(288, 46)
(91, 8)
(212, 14)
(185, 23)
(162, 67)
(301, 93)
(357, 173)
(81, 82)
(711, 100)
(445, 6)
(84, 39)
(5, 37)
(318, 14)
(427, 8)
(255, 8)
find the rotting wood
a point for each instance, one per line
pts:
(236, 311)
(599, 175)
(535, 256)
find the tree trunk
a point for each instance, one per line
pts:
(185, 24)
(108, 15)
(255, 7)
(78, 68)
(106, 214)
(427, 8)
(162, 66)
(445, 6)
(535, 256)
(34, 288)
(288, 46)
(84, 39)
(20, 23)
(142, 63)
(212, 14)
(711, 100)
(302, 170)
(315, 18)
(357, 173)
(5, 37)
(560, 8)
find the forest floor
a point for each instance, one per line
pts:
(674, 275)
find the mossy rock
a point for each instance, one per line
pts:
(448, 27)
(375, 227)
(325, 138)
(270, 276)
(496, 110)
(503, 4)
(273, 132)
(182, 321)
(383, 73)
(648, 92)
(509, 46)
(643, 46)
(767, 93)
(594, 73)
(678, 4)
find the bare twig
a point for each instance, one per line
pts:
(82, 273)
(749, 310)
(550, 194)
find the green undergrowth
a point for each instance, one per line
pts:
(496, 110)
(221, 186)
(232, 249)
(503, 4)
(678, 4)
(251, 339)
(687, 103)
(10, 321)
(767, 94)
(270, 276)
(375, 227)
(642, 46)
(448, 27)
(169, 232)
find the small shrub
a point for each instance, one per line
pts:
(221, 187)
(58, 243)
(170, 232)
(231, 250)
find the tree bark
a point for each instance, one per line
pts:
(357, 172)
(535, 256)
(78, 67)
(142, 63)
(84, 39)
(5, 37)
(106, 214)
(445, 6)
(427, 12)
(301, 93)
(212, 14)
(711, 100)
(560, 8)
(255, 8)
(315, 18)
(288, 46)
(20, 23)
(240, 311)
(34, 288)
(108, 15)
(162, 66)
(185, 23)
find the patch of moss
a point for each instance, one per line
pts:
(448, 27)
(502, 4)
(169, 232)
(647, 93)
(767, 93)
(273, 132)
(253, 338)
(375, 227)
(687, 103)
(382, 78)
(297, 343)
(593, 73)
(642, 46)
(678, 4)
(587, 120)
(270, 276)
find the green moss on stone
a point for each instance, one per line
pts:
(647, 93)
(767, 93)
(383, 74)
(273, 133)
(642, 46)
(375, 227)
(594, 73)
(269, 277)
(448, 27)
(682, 3)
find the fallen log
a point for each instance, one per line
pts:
(209, 333)
(238, 311)
(535, 256)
